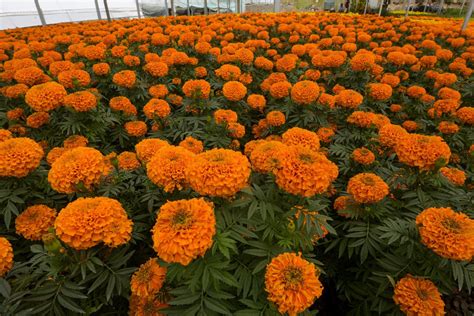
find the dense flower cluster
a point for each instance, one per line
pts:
(19, 157)
(35, 221)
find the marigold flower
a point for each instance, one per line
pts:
(418, 296)
(136, 128)
(395, 108)
(29, 75)
(54, 154)
(16, 91)
(390, 134)
(199, 89)
(236, 130)
(228, 72)
(448, 233)
(447, 127)
(37, 119)
(45, 97)
(292, 283)
(35, 221)
(363, 156)
(184, 230)
(280, 89)
(234, 91)
(125, 78)
(81, 101)
(380, 91)
(466, 115)
(5, 134)
(447, 106)
(87, 222)
(245, 56)
(327, 100)
(305, 92)
(101, 69)
(167, 167)
(74, 78)
(147, 148)
(416, 92)
(19, 157)
(218, 172)
(275, 118)
(264, 155)
(256, 102)
(158, 91)
(123, 104)
(410, 126)
(156, 108)
(349, 99)
(156, 69)
(227, 116)
(128, 161)
(325, 134)
(367, 188)
(192, 144)
(454, 175)
(297, 136)
(77, 168)
(422, 151)
(302, 171)
(6, 256)
(148, 279)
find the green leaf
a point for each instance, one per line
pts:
(185, 299)
(216, 306)
(66, 303)
(110, 287)
(5, 288)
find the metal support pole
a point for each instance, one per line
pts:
(468, 16)
(138, 9)
(173, 10)
(426, 6)
(228, 6)
(187, 6)
(106, 6)
(366, 5)
(167, 8)
(381, 6)
(218, 6)
(440, 6)
(277, 6)
(40, 12)
(237, 6)
(462, 6)
(407, 8)
(97, 9)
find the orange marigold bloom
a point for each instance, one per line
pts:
(342, 203)
(156, 69)
(45, 97)
(395, 108)
(422, 151)
(192, 144)
(37, 119)
(87, 222)
(275, 118)
(448, 93)
(280, 89)
(29, 75)
(305, 92)
(19, 157)
(200, 72)
(349, 99)
(136, 128)
(5, 134)
(416, 92)
(16, 91)
(156, 108)
(184, 230)
(148, 280)
(123, 104)
(325, 134)
(78, 168)
(15, 114)
(228, 72)
(447, 106)
(199, 89)
(380, 91)
(302, 171)
(448, 233)
(256, 102)
(447, 127)
(101, 69)
(74, 78)
(466, 115)
(227, 116)
(363, 61)
(454, 175)
(390, 79)
(35, 221)
(264, 156)
(158, 91)
(75, 141)
(418, 296)
(367, 188)
(363, 156)
(297, 136)
(245, 56)
(147, 148)
(6, 256)
(81, 101)
(218, 172)
(234, 91)
(167, 167)
(125, 78)
(390, 134)
(236, 130)
(327, 100)
(410, 126)
(54, 154)
(292, 283)
(128, 161)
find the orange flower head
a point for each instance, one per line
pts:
(380, 91)
(156, 69)
(6, 256)
(123, 104)
(275, 118)
(325, 134)
(297, 136)
(422, 151)
(367, 188)
(19, 157)
(78, 168)
(101, 69)
(305, 92)
(447, 127)
(280, 90)
(304, 172)
(158, 91)
(35, 221)
(29, 76)
(16, 91)
(157, 108)
(148, 280)
(74, 78)
(218, 172)
(45, 97)
(192, 144)
(37, 119)
(87, 222)
(449, 234)
(264, 157)
(128, 161)
(234, 91)
(5, 134)
(349, 99)
(228, 72)
(454, 175)
(81, 101)
(363, 156)
(466, 115)
(292, 283)
(125, 78)
(390, 134)
(147, 148)
(75, 141)
(184, 230)
(198, 89)
(256, 102)
(225, 116)
(418, 296)
(136, 128)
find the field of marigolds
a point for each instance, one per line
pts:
(255, 164)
